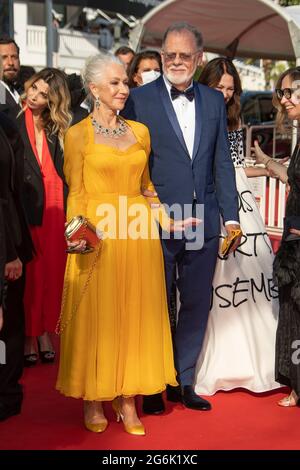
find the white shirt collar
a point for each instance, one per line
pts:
(14, 94)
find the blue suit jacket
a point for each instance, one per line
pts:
(210, 172)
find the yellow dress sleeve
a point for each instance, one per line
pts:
(159, 213)
(73, 170)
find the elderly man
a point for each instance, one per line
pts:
(190, 164)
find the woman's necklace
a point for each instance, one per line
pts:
(107, 131)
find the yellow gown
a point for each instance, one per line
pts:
(118, 342)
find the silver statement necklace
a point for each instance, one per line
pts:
(107, 131)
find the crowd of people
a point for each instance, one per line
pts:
(154, 161)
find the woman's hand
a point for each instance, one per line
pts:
(150, 195)
(259, 155)
(77, 246)
(181, 225)
(13, 270)
(295, 231)
(275, 169)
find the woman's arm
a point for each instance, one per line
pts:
(73, 171)
(275, 169)
(252, 172)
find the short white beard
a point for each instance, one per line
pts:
(179, 80)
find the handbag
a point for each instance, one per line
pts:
(79, 228)
(229, 241)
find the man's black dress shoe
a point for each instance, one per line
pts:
(9, 409)
(174, 394)
(153, 404)
(191, 400)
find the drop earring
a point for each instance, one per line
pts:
(97, 103)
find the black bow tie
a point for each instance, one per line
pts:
(189, 93)
(11, 86)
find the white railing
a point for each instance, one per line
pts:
(270, 194)
(72, 42)
(36, 39)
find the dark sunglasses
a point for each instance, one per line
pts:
(286, 92)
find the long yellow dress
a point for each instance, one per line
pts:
(118, 342)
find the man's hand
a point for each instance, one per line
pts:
(181, 225)
(229, 229)
(13, 270)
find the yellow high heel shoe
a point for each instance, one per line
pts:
(96, 427)
(137, 429)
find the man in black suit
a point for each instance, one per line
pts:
(18, 249)
(78, 106)
(9, 85)
(2, 265)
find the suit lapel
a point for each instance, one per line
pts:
(56, 154)
(29, 154)
(198, 120)
(7, 103)
(171, 113)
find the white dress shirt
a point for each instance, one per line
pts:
(186, 116)
(14, 93)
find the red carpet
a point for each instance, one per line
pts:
(238, 420)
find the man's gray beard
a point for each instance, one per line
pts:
(179, 81)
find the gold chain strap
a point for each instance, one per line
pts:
(61, 326)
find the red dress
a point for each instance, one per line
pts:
(45, 273)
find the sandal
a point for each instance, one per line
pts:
(47, 357)
(30, 359)
(291, 400)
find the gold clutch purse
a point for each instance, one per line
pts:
(79, 228)
(229, 241)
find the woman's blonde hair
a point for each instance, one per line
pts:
(56, 117)
(282, 117)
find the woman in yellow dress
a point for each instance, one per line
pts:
(115, 333)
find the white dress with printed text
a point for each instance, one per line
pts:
(239, 345)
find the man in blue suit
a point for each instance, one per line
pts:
(190, 164)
